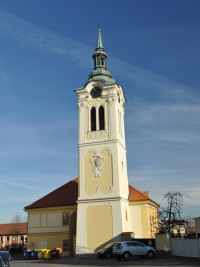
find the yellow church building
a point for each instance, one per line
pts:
(99, 206)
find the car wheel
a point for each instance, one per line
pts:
(150, 254)
(108, 255)
(127, 256)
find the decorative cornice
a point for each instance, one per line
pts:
(96, 134)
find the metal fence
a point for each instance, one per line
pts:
(186, 247)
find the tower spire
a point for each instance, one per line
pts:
(100, 72)
(99, 40)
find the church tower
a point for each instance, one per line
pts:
(103, 208)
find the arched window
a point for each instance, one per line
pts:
(102, 61)
(93, 119)
(98, 61)
(101, 118)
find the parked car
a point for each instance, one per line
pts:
(6, 257)
(126, 250)
(106, 252)
(1, 262)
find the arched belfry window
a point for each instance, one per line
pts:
(97, 119)
(98, 62)
(93, 119)
(101, 118)
(102, 61)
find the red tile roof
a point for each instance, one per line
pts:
(190, 230)
(136, 195)
(13, 228)
(67, 195)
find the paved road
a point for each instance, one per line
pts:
(74, 262)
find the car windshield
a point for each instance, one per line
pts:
(118, 244)
(110, 245)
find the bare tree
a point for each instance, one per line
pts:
(189, 222)
(18, 218)
(16, 227)
(170, 216)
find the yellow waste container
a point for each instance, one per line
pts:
(40, 254)
(48, 254)
(44, 251)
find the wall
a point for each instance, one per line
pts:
(136, 222)
(163, 244)
(45, 226)
(186, 247)
(177, 247)
(143, 219)
(197, 224)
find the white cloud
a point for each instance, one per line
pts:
(165, 114)
(33, 37)
(152, 82)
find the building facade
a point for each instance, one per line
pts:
(103, 207)
(13, 236)
(197, 224)
(52, 220)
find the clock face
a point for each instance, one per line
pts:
(96, 92)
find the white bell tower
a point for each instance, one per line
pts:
(103, 208)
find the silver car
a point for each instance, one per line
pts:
(126, 250)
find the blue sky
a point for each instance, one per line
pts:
(46, 53)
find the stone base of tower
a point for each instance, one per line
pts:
(99, 223)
